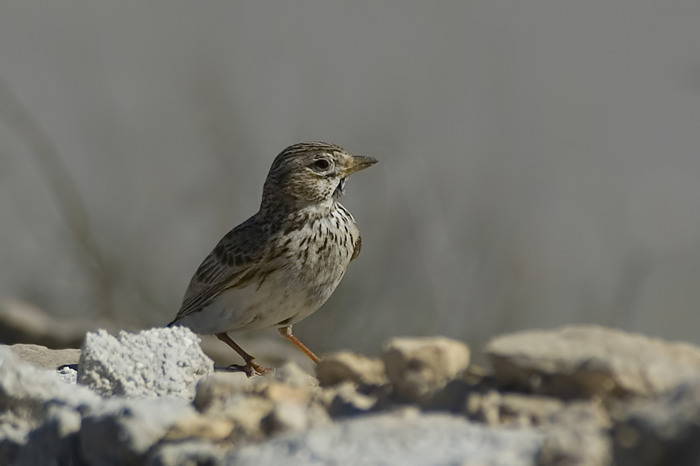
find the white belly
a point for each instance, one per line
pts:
(242, 309)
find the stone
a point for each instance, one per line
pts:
(283, 393)
(213, 391)
(406, 439)
(281, 401)
(28, 397)
(495, 408)
(580, 445)
(345, 366)
(236, 398)
(574, 431)
(199, 427)
(424, 412)
(664, 431)
(123, 430)
(55, 441)
(286, 417)
(68, 375)
(588, 361)
(155, 362)
(186, 453)
(46, 358)
(344, 400)
(418, 368)
(515, 409)
(285, 382)
(292, 375)
(246, 413)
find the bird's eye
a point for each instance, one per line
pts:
(321, 164)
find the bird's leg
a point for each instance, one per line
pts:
(251, 367)
(286, 332)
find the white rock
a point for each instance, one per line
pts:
(122, 430)
(155, 362)
(389, 439)
(28, 401)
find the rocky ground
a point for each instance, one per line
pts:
(576, 396)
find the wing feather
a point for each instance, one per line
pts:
(237, 254)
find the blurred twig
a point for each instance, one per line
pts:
(66, 194)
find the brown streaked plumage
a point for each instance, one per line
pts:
(284, 262)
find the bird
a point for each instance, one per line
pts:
(283, 263)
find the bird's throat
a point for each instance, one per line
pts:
(340, 189)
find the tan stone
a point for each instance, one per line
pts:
(215, 389)
(514, 409)
(247, 412)
(346, 366)
(279, 392)
(419, 367)
(585, 361)
(201, 427)
(45, 358)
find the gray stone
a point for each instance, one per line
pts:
(344, 400)
(68, 375)
(155, 362)
(585, 361)
(661, 431)
(418, 368)
(55, 441)
(579, 445)
(27, 392)
(190, 453)
(391, 439)
(31, 399)
(122, 430)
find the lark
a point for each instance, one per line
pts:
(284, 262)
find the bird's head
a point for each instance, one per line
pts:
(311, 173)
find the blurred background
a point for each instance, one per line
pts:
(539, 160)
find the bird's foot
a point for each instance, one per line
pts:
(250, 368)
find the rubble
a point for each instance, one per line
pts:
(579, 395)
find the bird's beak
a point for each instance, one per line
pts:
(357, 163)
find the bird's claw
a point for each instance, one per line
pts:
(250, 368)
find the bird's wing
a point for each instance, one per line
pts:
(233, 262)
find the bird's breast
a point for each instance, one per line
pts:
(316, 256)
(321, 250)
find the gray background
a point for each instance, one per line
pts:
(539, 160)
